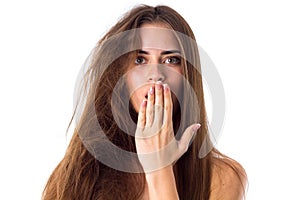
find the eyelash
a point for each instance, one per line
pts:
(176, 62)
(140, 60)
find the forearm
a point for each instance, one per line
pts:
(161, 184)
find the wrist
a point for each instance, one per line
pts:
(158, 174)
(161, 178)
(161, 184)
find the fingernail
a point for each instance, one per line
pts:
(144, 103)
(151, 91)
(196, 127)
(166, 88)
(159, 85)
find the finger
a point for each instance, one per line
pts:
(142, 115)
(150, 107)
(168, 106)
(158, 115)
(187, 136)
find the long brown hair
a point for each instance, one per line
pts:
(80, 174)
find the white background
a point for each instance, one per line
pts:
(254, 45)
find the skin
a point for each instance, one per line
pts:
(158, 60)
(153, 81)
(156, 72)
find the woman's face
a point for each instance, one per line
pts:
(158, 59)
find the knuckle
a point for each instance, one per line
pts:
(168, 107)
(149, 113)
(143, 120)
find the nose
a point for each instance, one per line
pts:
(155, 73)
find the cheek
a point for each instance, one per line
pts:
(175, 80)
(177, 90)
(134, 83)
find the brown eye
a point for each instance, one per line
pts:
(140, 60)
(173, 60)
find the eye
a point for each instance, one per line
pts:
(140, 60)
(173, 60)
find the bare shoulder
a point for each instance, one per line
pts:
(229, 179)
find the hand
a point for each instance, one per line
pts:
(155, 141)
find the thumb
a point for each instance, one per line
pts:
(183, 143)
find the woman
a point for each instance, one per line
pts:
(141, 119)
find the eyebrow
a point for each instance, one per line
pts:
(162, 53)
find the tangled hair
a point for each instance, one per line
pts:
(80, 174)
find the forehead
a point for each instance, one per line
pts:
(158, 37)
